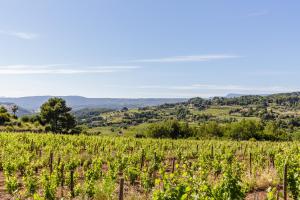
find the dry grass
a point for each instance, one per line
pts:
(262, 180)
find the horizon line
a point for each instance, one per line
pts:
(152, 97)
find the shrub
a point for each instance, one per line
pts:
(170, 129)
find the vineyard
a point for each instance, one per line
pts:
(35, 166)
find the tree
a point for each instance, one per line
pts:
(213, 129)
(170, 129)
(4, 115)
(56, 114)
(3, 109)
(244, 130)
(124, 109)
(14, 109)
(182, 112)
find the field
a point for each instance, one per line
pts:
(149, 100)
(52, 166)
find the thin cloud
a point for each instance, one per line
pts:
(192, 58)
(244, 88)
(258, 13)
(20, 35)
(60, 69)
(224, 88)
(200, 90)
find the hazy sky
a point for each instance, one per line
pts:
(143, 48)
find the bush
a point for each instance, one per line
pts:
(211, 129)
(4, 118)
(25, 118)
(170, 129)
(138, 135)
(244, 130)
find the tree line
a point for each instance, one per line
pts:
(241, 130)
(284, 99)
(55, 116)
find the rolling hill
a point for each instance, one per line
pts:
(33, 103)
(21, 111)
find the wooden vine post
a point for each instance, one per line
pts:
(58, 161)
(173, 164)
(142, 159)
(32, 146)
(244, 152)
(250, 163)
(285, 181)
(277, 192)
(121, 192)
(62, 181)
(72, 183)
(51, 162)
(272, 161)
(40, 152)
(36, 169)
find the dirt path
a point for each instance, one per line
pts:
(259, 195)
(3, 194)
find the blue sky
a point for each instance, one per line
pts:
(141, 48)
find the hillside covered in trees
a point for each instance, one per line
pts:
(272, 117)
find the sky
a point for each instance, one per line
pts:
(143, 48)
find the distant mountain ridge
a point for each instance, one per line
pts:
(234, 95)
(33, 103)
(21, 111)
